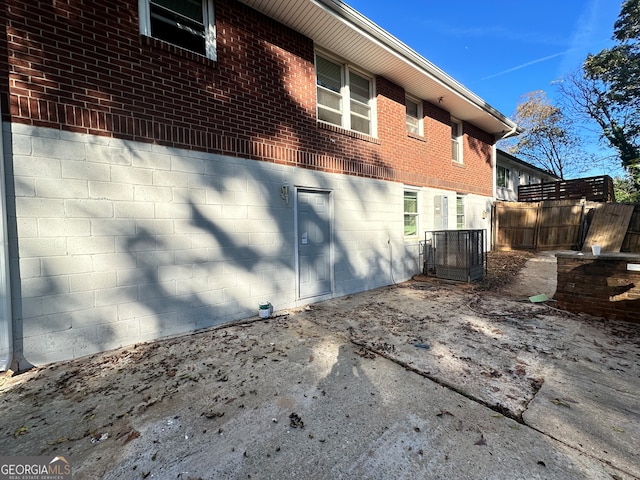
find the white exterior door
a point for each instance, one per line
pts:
(313, 234)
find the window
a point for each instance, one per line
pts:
(414, 116)
(185, 23)
(410, 213)
(502, 177)
(344, 97)
(460, 218)
(456, 140)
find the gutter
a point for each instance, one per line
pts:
(382, 38)
(6, 320)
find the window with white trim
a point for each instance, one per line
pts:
(344, 96)
(410, 213)
(188, 24)
(414, 115)
(456, 140)
(502, 176)
(461, 221)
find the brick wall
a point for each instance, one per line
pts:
(82, 66)
(600, 285)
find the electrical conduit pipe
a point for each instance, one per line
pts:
(6, 320)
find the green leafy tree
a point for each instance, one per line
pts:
(625, 190)
(548, 140)
(608, 90)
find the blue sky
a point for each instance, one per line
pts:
(499, 49)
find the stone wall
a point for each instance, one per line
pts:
(606, 285)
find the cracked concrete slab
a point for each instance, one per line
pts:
(594, 410)
(418, 380)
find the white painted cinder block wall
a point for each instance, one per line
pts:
(115, 242)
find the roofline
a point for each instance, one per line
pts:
(523, 163)
(383, 38)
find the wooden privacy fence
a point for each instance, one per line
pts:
(631, 241)
(608, 225)
(595, 189)
(565, 225)
(547, 225)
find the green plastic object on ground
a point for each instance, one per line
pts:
(539, 298)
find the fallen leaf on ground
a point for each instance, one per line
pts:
(57, 441)
(132, 435)
(481, 440)
(212, 414)
(443, 413)
(295, 421)
(557, 401)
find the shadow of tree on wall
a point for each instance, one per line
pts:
(170, 285)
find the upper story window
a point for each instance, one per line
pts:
(414, 116)
(456, 140)
(188, 24)
(344, 97)
(502, 176)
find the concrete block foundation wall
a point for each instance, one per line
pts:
(114, 242)
(606, 285)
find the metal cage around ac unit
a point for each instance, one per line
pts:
(455, 254)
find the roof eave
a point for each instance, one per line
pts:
(340, 29)
(406, 53)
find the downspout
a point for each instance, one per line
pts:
(494, 166)
(515, 130)
(6, 320)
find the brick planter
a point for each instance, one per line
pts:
(606, 285)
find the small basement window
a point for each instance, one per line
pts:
(410, 213)
(461, 221)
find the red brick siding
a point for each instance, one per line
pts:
(430, 157)
(600, 286)
(81, 65)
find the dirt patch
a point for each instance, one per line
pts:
(503, 268)
(473, 339)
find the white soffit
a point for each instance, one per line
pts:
(338, 28)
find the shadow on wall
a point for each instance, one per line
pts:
(170, 243)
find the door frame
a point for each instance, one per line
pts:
(329, 193)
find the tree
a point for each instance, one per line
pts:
(625, 190)
(548, 140)
(608, 90)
